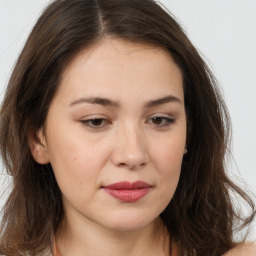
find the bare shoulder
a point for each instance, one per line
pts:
(246, 249)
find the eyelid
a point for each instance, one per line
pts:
(166, 121)
(86, 122)
(169, 120)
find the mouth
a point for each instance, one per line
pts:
(126, 191)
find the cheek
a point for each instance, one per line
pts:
(167, 161)
(76, 160)
(168, 154)
(169, 167)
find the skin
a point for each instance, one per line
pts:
(136, 137)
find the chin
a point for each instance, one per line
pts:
(131, 222)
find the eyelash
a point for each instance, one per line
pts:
(89, 124)
(165, 122)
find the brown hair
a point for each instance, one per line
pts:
(201, 217)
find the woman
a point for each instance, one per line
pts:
(115, 133)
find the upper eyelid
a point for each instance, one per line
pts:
(170, 119)
(93, 117)
(98, 116)
(86, 122)
(167, 118)
(162, 115)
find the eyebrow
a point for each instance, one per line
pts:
(161, 101)
(96, 100)
(110, 103)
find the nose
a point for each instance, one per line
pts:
(130, 150)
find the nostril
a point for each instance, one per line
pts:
(130, 156)
(132, 165)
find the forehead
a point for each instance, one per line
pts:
(126, 50)
(119, 67)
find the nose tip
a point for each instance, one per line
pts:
(131, 162)
(130, 152)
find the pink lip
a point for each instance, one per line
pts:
(127, 191)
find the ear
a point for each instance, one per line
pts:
(38, 147)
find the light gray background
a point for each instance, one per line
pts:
(223, 31)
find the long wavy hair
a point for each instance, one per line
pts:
(201, 218)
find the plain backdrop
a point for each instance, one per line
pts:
(224, 32)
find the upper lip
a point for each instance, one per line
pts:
(128, 185)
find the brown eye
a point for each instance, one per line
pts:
(161, 121)
(96, 123)
(157, 120)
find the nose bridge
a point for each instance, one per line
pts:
(133, 136)
(130, 146)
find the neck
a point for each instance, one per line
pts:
(80, 237)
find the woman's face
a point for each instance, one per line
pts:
(115, 134)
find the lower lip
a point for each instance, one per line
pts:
(128, 195)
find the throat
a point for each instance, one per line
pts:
(150, 242)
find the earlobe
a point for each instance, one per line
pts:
(38, 147)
